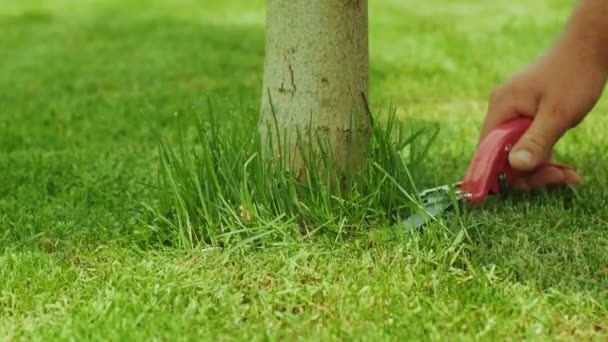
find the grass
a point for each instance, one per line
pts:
(86, 90)
(219, 190)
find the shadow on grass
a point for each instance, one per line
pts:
(87, 98)
(555, 238)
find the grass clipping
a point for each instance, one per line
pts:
(216, 188)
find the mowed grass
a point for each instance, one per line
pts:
(87, 89)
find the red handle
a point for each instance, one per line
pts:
(491, 160)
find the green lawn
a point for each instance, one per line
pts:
(88, 87)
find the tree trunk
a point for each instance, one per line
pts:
(316, 78)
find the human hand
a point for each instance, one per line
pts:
(558, 90)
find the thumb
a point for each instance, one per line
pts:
(536, 144)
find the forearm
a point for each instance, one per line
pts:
(587, 31)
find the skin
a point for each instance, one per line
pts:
(558, 90)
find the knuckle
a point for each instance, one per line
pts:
(566, 119)
(558, 113)
(536, 142)
(562, 117)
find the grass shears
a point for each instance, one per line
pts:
(488, 173)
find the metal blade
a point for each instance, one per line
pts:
(431, 212)
(435, 202)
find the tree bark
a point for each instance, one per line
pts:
(316, 77)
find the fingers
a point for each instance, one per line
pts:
(547, 176)
(507, 103)
(543, 177)
(536, 144)
(572, 177)
(534, 147)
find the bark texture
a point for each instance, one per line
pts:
(316, 78)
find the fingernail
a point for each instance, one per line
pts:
(522, 158)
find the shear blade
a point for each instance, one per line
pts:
(435, 202)
(431, 211)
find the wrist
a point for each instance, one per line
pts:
(585, 51)
(587, 33)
